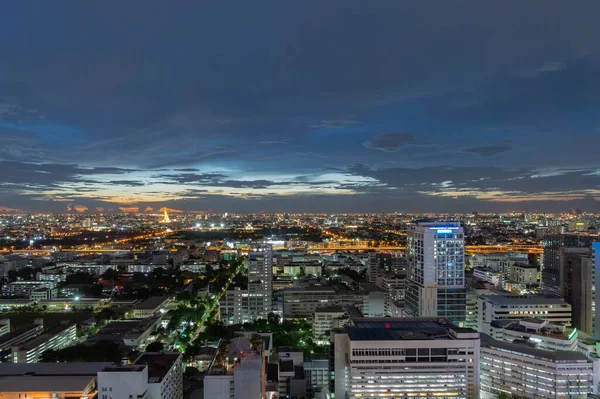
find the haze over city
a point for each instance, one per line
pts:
(299, 106)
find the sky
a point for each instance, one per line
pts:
(299, 106)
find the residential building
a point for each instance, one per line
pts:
(59, 337)
(152, 376)
(435, 284)
(420, 357)
(524, 273)
(515, 307)
(393, 285)
(525, 372)
(260, 281)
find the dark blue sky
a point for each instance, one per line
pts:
(333, 106)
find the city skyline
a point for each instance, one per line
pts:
(308, 107)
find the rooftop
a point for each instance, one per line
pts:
(392, 329)
(51, 369)
(520, 300)
(152, 303)
(330, 309)
(19, 331)
(45, 336)
(158, 364)
(68, 383)
(555, 356)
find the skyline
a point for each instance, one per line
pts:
(309, 107)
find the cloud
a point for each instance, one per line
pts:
(334, 124)
(489, 150)
(550, 66)
(390, 142)
(130, 183)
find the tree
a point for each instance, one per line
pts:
(155, 346)
(504, 395)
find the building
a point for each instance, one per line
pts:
(499, 262)
(43, 294)
(317, 373)
(150, 307)
(595, 288)
(553, 274)
(292, 381)
(49, 380)
(4, 326)
(238, 371)
(22, 289)
(11, 262)
(260, 281)
(246, 305)
(522, 371)
(152, 376)
(302, 302)
(488, 276)
(406, 357)
(21, 334)
(131, 333)
(524, 273)
(435, 284)
(536, 333)
(393, 285)
(373, 304)
(515, 307)
(326, 319)
(59, 337)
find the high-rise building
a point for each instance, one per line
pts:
(260, 281)
(595, 289)
(405, 357)
(553, 273)
(435, 284)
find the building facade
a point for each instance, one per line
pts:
(436, 276)
(399, 358)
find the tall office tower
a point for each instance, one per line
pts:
(403, 358)
(260, 281)
(435, 283)
(576, 285)
(595, 289)
(552, 277)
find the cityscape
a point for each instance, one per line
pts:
(343, 199)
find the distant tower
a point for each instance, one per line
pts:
(166, 218)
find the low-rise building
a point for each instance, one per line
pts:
(536, 333)
(150, 307)
(21, 334)
(522, 371)
(516, 307)
(302, 302)
(326, 319)
(524, 273)
(132, 333)
(151, 376)
(42, 294)
(317, 373)
(22, 289)
(59, 337)
(4, 326)
(49, 380)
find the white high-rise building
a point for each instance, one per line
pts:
(260, 281)
(436, 271)
(405, 357)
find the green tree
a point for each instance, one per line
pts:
(504, 395)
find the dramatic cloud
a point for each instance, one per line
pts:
(214, 105)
